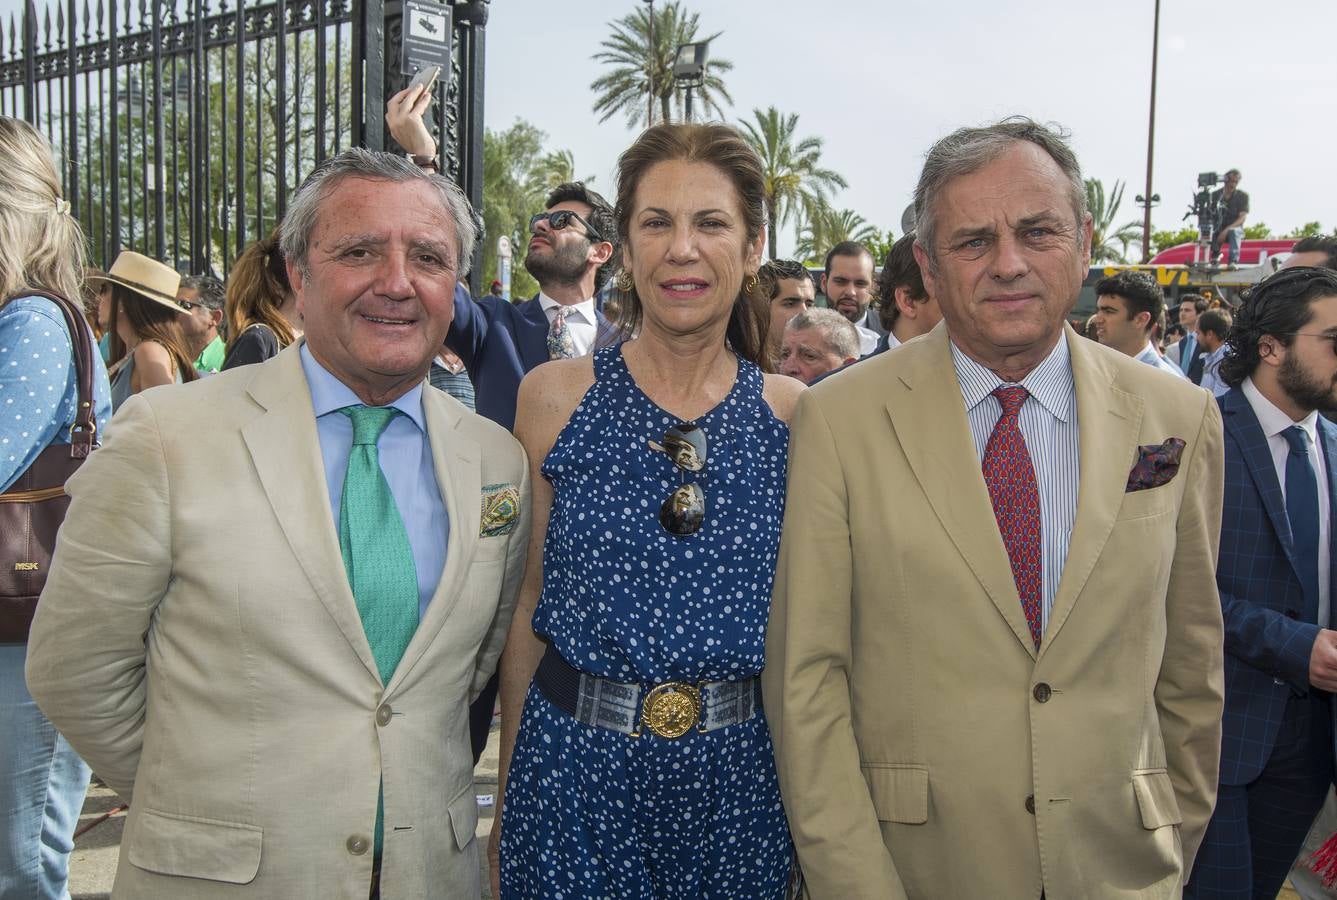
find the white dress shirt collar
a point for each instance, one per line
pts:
(1272, 419)
(583, 311)
(1050, 383)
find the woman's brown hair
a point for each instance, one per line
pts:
(257, 287)
(151, 321)
(725, 149)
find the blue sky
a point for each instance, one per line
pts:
(1242, 83)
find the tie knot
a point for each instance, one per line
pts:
(1011, 397)
(369, 422)
(1298, 438)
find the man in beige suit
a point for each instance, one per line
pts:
(276, 679)
(996, 670)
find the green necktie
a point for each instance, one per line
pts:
(376, 552)
(375, 546)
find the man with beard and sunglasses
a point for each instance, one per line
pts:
(1275, 577)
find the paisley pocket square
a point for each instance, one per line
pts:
(501, 510)
(1155, 466)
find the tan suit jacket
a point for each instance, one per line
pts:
(198, 644)
(915, 725)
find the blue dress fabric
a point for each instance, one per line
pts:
(594, 813)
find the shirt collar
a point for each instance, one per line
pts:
(1148, 354)
(1050, 383)
(584, 307)
(1272, 419)
(329, 394)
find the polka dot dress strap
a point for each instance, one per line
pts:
(606, 362)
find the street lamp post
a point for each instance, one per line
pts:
(689, 69)
(1148, 198)
(650, 67)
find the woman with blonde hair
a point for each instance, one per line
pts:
(42, 780)
(261, 310)
(148, 346)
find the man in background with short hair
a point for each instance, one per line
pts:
(904, 304)
(816, 342)
(203, 297)
(1189, 352)
(1213, 331)
(790, 291)
(1128, 307)
(847, 284)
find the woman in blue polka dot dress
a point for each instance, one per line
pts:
(641, 765)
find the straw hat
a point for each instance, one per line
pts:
(146, 277)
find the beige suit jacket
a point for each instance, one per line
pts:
(915, 725)
(198, 644)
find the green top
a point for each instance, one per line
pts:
(211, 357)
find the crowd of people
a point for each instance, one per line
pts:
(918, 593)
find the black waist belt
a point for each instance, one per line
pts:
(669, 710)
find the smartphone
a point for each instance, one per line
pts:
(426, 77)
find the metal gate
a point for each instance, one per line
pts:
(181, 127)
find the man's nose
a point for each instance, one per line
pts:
(393, 277)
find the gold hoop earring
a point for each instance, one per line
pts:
(624, 282)
(749, 283)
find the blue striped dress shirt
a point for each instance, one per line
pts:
(1048, 422)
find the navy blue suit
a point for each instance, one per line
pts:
(499, 342)
(1276, 742)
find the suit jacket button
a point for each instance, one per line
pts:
(383, 714)
(1042, 693)
(357, 844)
(1292, 614)
(1030, 804)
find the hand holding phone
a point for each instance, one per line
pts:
(426, 77)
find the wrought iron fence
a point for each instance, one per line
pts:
(182, 126)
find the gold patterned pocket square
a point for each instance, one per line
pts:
(501, 510)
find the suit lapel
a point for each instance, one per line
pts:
(532, 341)
(1242, 425)
(456, 460)
(285, 449)
(929, 417)
(1108, 422)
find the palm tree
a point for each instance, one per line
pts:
(1104, 236)
(550, 170)
(795, 179)
(636, 66)
(826, 227)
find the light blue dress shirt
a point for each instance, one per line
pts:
(1048, 422)
(1211, 371)
(406, 460)
(1156, 361)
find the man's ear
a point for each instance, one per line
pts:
(296, 282)
(600, 252)
(216, 316)
(904, 302)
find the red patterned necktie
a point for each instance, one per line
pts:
(1010, 477)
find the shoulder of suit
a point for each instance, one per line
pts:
(492, 437)
(1148, 382)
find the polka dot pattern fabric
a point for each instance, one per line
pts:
(38, 388)
(593, 813)
(1010, 477)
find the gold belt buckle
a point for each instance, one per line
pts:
(671, 709)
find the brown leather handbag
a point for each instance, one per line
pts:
(34, 506)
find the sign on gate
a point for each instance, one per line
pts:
(426, 37)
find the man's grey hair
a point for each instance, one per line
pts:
(838, 332)
(209, 289)
(355, 162)
(968, 150)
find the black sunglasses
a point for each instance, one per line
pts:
(559, 219)
(685, 509)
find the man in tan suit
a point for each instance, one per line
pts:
(276, 679)
(996, 670)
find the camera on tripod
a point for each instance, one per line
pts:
(1204, 207)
